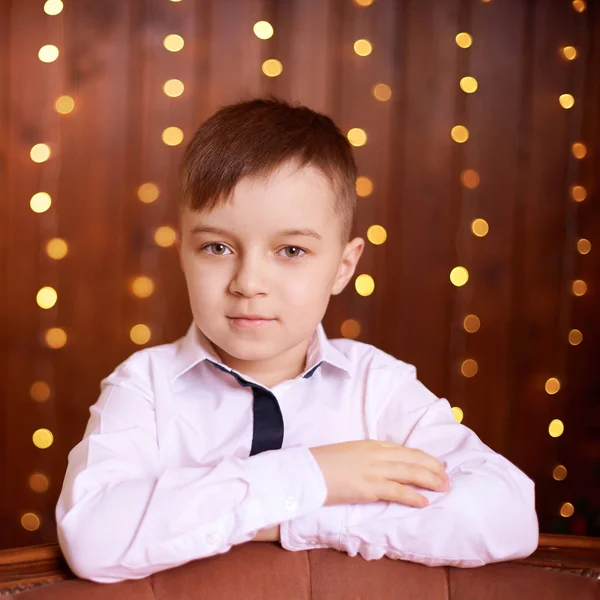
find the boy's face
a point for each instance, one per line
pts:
(247, 257)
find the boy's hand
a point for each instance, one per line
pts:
(369, 470)
(269, 534)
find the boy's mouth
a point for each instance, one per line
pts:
(250, 321)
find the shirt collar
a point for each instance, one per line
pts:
(194, 347)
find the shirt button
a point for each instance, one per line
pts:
(212, 538)
(291, 504)
(313, 542)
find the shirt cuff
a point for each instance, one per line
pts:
(323, 528)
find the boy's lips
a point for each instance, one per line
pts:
(250, 321)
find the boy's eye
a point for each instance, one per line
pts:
(218, 249)
(293, 251)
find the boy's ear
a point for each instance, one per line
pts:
(350, 257)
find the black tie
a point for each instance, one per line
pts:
(268, 420)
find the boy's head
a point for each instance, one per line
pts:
(267, 206)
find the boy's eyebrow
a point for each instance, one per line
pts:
(285, 232)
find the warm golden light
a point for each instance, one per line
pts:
(57, 248)
(556, 428)
(567, 510)
(55, 338)
(173, 42)
(575, 337)
(364, 285)
(364, 2)
(357, 136)
(376, 234)
(569, 52)
(364, 186)
(470, 178)
(40, 391)
(148, 192)
(559, 473)
(39, 483)
(46, 297)
(579, 150)
(42, 438)
(173, 88)
(480, 227)
(457, 413)
(579, 287)
(472, 323)
(382, 92)
(584, 246)
(53, 7)
(48, 54)
(579, 5)
(142, 287)
(464, 40)
(459, 276)
(469, 85)
(363, 47)
(552, 386)
(140, 334)
(172, 136)
(272, 67)
(64, 105)
(263, 30)
(40, 202)
(469, 368)
(350, 329)
(40, 153)
(566, 100)
(165, 236)
(460, 134)
(30, 522)
(578, 193)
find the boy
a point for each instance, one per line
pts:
(255, 426)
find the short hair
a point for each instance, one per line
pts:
(254, 138)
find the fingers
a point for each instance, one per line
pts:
(395, 492)
(396, 452)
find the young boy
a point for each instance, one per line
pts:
(255, 426)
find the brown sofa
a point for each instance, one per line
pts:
(562, 568)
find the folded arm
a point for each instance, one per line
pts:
(487, 516)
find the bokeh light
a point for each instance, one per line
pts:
(64, 105)
(364, 285)
(263, 30)
(272, 67)
(46, 297)
(165, 236)
(464, 40)
(460, 134)
(575, 337)
(48, 53)
(140, 334)
(172, 136)
(55, 338)
(566, 100)
(552, 386)
(458, 414)
(173, 88)
(350, 329)
(174, 42)
(357, 136)
(480, 227)
(57, 248)
(556, 428)
(364, 186)
(459, 276)
(472, 323)
(40, 153)
(53, 7)
(376, 234)
(469, 85)
(363, 47)
(382, 92)
(40, 202)
(148, 192)
(42, 438)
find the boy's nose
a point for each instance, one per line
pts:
(249, 279)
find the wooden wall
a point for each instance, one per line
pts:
(113, 63)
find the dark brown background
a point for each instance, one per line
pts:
(113, 63)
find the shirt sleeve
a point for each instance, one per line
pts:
(122, 514)
(487, 516)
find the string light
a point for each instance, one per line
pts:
(556, 428)
(40, 202)
(272, 67)
(57, 248)
(55, 338)
(30, 521)
(174, 42)
(470, 178)
(559, 473)
(382, 92)
(364, 285)
(579, 5)
(459, 276)
(350, 329)
(39, 483)
(579, 287)
(472, 323)
(42, 438)
(457, 413)
(480, 227)
(46, 297)
(53, 7)
(48, 53)
(464, 40)
(469, 85)
(376, 234)
(579, 150)
(40, 391)
(40, 153)
(140, 334)
(142, 287)
(584, 246)
(64, 105)
(552, 386)
(364, 186)
(172, 136)
(263, 30)
(575, 337)
(566, 101)
(567, 510)
(364, 3)
(357, 136)
(363, 47)
(460, 134)
(173, 88)
(469, 367)
(578, 193)
(148, 192)
(165, 236)
(569, 52)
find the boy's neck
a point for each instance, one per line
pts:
(273, 371)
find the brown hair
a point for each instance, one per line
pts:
(254, 138)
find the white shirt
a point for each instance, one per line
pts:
(163, 474)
